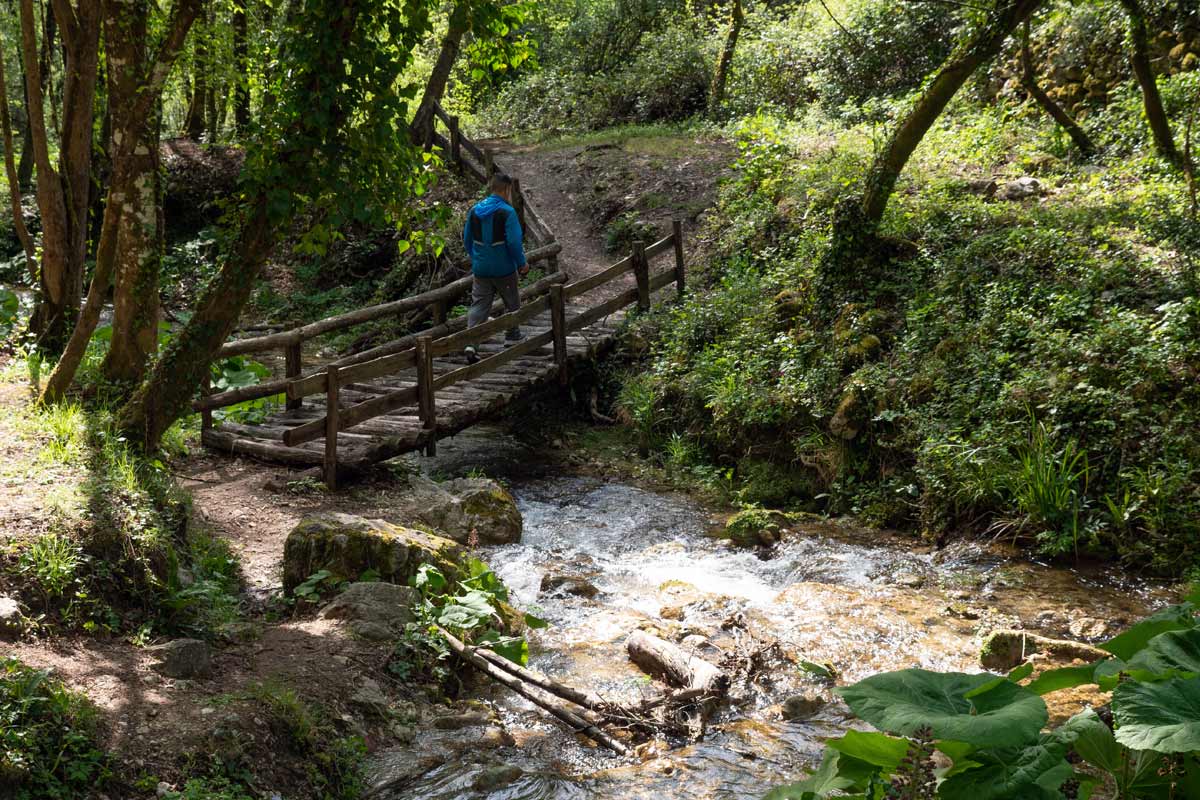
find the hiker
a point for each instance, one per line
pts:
(492, 238)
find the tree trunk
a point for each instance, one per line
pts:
(194, 126)
(674, 665)
(63, 193)
(716, 94)
(241, 87)
(1056, 112)
(130, 241)
(14, 184)
(435, 87)
(1160, 127)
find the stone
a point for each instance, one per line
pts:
(1021, 189)
(568, 584)
(496, 777)
(375, 611)
(984, 187)
(370, 699)
(800, 707)
(182, 658)
(1089, 629)
(455, 722)
(163, 789)
(464, 509)
(756, 527)
(12, 623)
(347, 546)
(1004, 649)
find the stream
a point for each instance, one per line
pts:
(861, 601)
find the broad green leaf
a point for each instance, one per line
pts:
(535, 622)
(1007, 715)
(878, 749)
(818, 670)
(1029, 773)
(514, 648)
(836, 773)
(429, 579)
(466, 611)
(1054, 680)
(1171, 618)
(1162, 716)
(1171, 654)
(1087, 734)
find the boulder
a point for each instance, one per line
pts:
(348, 546)
(496, 777)
(756, 527)
(801, 707)
(1089, 629)
(373, 611)
(11, 621)
(464, 508)
(370, 699)
(182, 658)
(568, 584)
(1021, 189)
(1002, 650)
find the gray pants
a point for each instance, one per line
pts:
(483, 294)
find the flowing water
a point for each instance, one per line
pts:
(860, 601)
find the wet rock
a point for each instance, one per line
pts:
(800, 707)
(909, 580)
(963, 611)
(984, 187)
(568, 584)
(348, 546)
(496, 777)
(464, 508)
(1089, 629)
(756, 527)
(374, 611)
(182, 658)
(11, 621)
(1050, 620)
(370, 699)
(455, 722)
(1002, 650)
(1021, 189)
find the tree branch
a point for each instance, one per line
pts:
(14, 186)
(183, 14)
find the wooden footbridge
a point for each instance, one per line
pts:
(403, 396)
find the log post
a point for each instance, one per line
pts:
(677, 235)
(455, 142)
(331, 425)
(206, 421)
(425, 396)
(641, 271)
(558, 322)
(438, 312)
(519, 203)
(293, 355)
(489, 164)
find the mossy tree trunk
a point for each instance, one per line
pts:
(1156, 116)
(435, 87)
(716, 94)
(856, 252)
(62, 191)
(1056, 112)
(130, 243)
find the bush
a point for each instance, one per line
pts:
(48, 748)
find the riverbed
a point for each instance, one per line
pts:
(857, 601)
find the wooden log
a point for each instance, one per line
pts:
(611, 306)
(222, 441)
(641, 271)
(661, 279)
(349, 417)
(490, 363)
(426, 391)
(600, 278)
(674, 665)
(294, 358)
(387, 365)
(570, 718)
(558, 320)
(519, 199)
(658, 248)
(455, 141)
(206, 418)
(677, 236)
(455, 342)
(489, 164)
(331, 426)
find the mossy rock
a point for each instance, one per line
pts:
(348, 546)
(463, 509)
(756, 527)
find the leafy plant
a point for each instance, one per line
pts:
(989, 728)
(1050, 487)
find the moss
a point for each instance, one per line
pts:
(756, 526)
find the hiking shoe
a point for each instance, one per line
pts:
(471, 354)
(514, 336)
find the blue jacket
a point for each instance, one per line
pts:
(495, 252)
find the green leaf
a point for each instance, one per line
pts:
(818, 670)
(1053, 680)
(1006, 715)
(514, 648)
(1172, 618)
(878, 749)
(1175, 654)
(467, 611)
(836, 773)
(535, 622)
(429, 579)
(1029, 773)
(1162, 716)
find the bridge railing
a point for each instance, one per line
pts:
(428, 345)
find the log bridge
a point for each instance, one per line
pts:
(349, 412)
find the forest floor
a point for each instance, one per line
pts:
(158, 727)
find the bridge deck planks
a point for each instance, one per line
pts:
(458, 406)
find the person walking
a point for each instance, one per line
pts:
(493, 239)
